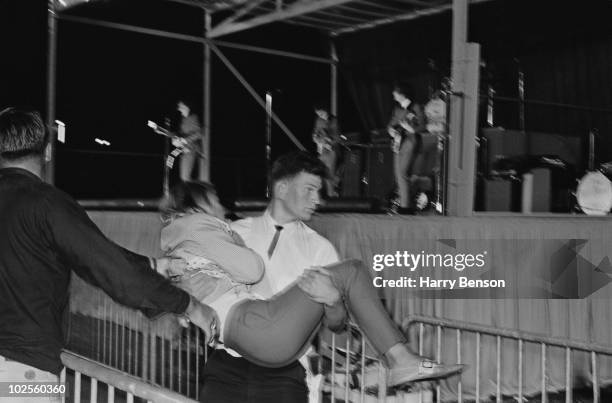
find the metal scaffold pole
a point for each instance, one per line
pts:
(205, 161)
(333, 78)
(51, 68)
(463, 117)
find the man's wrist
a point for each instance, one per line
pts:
(334, 302)
(153, 263)
(191, 307)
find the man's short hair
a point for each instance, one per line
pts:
(22, 133)
(403, 88)
(292, 164)
(322, 106)
(187, 101)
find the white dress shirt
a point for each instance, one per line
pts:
(435, 111)
(299, 247)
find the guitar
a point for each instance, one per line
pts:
(181, 144)
(323, 142)
(399, 130)
(326, 134)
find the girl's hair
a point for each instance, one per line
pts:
(185, 197)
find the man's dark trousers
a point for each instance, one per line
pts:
(229, 379)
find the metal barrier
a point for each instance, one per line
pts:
(126, 342)
(156, 352)
(77, 367)
(355, 375)
(521, 338)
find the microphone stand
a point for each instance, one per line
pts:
(591, 161)
(268, 138)
(166, 180)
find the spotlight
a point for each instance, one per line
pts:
(102, 142)
(64, 4)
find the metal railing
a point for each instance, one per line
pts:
(100, 376)
(156, 352)
(355, 375)
(128, 344)
(521, 338)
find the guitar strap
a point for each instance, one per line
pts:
(172, 157)
(176, 153)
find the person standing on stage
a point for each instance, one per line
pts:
(326, 136)
(190, 133)
(435, 112)
(405, 127)
(44, 235)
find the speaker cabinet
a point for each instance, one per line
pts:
(537, 188)
(500, 143)
(351, 173)
(380, 180)
(498, 195)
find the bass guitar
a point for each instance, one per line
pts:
(181, 144)
(400, 130)
(323, 142)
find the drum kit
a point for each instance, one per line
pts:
(592, 194)
(594, 191)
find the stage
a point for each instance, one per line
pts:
(570, 302)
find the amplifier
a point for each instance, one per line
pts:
(501, 195)
(351, 173)
(379, 172)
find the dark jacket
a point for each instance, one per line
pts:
(44, 234)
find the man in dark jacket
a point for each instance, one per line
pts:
(44, 234)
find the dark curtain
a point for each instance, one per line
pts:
(373, 60)
(565, 52)
(577, 74)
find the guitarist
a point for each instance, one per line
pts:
(190, 139)
(326, 136)
(405, 127)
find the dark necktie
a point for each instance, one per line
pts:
(279, 228)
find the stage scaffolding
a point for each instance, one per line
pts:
(335, 17)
